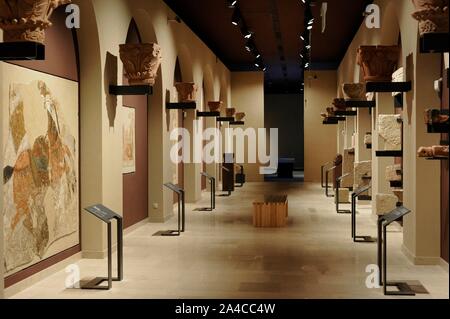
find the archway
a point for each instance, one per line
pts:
(135, 149)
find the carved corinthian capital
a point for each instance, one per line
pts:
(141, 62)
(378, 62)
(26, 20)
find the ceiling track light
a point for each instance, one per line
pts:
(232, 4)
(236, 17)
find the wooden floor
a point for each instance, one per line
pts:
(223, 256)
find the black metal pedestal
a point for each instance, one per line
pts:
(181, 213)
(327, 179)
(106, 215)
(338, 186)
(240, 177)
(212, 182)
(322, 174)
(357, 238)
(383, 222)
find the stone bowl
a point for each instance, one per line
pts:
(354, 91)
(215, 106)
(240, 116)
(187, 91)
(230, 112)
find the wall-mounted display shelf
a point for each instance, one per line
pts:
(361, 104)
(389, 153)
(437, 158)
(346, 113)
(364, 197)
(369, 146)
(237, 123)
(21, 51)
(396, 184)
(438, 128)
(330, 122)
(208, 114)
(225, 119)
(367, 178)
(434, 43)
(130, 90)
(181, 106)
(388, 86)
(337, 118)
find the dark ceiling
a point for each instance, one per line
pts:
(277, 26)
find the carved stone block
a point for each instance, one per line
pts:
(385, 203)
(399, 194)
(141, 62)
(394, 173)
(26, 20)
(354, 91)
(362, 169)
(432, 16)
(390, 130)
(344, 195)
(434, 151)
(348, 168)
(368, 139)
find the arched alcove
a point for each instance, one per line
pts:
(135, 149)
(158, 129)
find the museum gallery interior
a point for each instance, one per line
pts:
(270, 149)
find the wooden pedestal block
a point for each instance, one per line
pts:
(270, 211)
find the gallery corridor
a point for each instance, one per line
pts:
(222, 255)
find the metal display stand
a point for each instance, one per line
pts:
(357, 238)
(106, 215)
(383, 222)
(327, 179)
(322, 174)
(228, 192)
(212, 182)
(240, 177)
(338, 187)
(181, 212)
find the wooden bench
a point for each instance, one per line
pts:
(270, 211)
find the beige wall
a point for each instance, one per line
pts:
(320, 140)
(247, 91)
(104, 26)
(421, 177)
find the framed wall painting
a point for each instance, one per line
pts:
(129, 140)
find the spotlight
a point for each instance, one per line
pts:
(250, 45)
(311, 21)
(310, 27)
(308, 47)
(236, 18)
(232, 4)
(306, 65)
(258, 55)
(247, 34)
